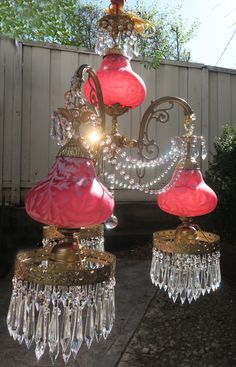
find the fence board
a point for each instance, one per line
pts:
(182, 93)
(224, 100)
(16, 127)
(205, 113)
(195, 96)
(39, 114)
(213, 111)
(233, 99)
(26, 116)
(56, 96)
(9, 56)
(2, 89)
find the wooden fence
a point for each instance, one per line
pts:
(33, 79)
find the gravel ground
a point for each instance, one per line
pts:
(202, 334)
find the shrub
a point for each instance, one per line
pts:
(221, 177)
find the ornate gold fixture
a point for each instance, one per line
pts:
(63, 293)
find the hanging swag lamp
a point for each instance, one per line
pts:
(63, 293)
(186, 261)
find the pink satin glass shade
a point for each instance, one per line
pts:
(71, 196)
(119, 83)
(189, 196)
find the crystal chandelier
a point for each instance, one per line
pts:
(63, 292)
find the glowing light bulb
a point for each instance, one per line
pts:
(94, 137)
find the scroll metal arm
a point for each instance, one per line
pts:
(162, 115)
(96, 90)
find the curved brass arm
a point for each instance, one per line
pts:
(188, 113)
(96, 96)
(161, 115)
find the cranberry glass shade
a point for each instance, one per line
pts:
(71, 196)
(119, 83)
(189, 196)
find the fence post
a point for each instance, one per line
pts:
(2, 80)
(16, 126)
(205, 113)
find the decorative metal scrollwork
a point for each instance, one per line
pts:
(148, 148)
(96, 97)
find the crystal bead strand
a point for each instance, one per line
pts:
(145, 187)
(136, 163)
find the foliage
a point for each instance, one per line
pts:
(179, 37)
(222, 178)
(57, 21)
(168, 37)
(73, 22)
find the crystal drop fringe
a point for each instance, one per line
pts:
(60, 317)
(125, 40)
(184, 275)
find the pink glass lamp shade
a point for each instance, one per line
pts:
(118, 82)
(189, 196)
(71, 196)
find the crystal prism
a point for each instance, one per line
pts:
(89, 332)
(186, 276)
(54, 316)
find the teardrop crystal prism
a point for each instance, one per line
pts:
(20, 329)
(66, 334)
(39, 334)
(53, 334)
(29, 331)
(89, 326)
(99, 320)
(77, 333)
(107, 316)
(11, 313)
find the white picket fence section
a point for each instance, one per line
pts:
(33, 79)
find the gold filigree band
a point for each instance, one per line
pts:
(90, 232)
(53, 233)
(204, 243)
(38, 266)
